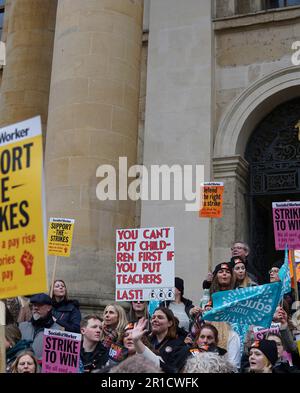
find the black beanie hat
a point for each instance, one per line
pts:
(235, 260)
(179, 284)
(268, 348)
(222, 265)
(278, 264)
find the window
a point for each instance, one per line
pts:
(281, 3)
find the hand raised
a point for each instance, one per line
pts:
(139, 329)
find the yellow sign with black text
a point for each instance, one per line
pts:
(60, 234)
(22, 251)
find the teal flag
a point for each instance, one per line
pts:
(284, 275)
(152, 306)
(247, 306)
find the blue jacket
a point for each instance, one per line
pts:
(67, 315)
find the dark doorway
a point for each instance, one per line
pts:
(273, 153)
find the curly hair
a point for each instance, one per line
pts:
(208, 362)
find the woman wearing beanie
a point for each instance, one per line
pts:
(263, 356)
(241, 277)
(229, 340)
(222, 278)
(182, 308)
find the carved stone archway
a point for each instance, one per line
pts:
(273, 154)
(229, 163)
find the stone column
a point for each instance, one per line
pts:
(233, 171)
(28, 34)
(93, 120)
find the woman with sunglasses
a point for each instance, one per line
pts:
(138, 309)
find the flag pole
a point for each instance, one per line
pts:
(295, 275)
(53, 276)
(2, 338)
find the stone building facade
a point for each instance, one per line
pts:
(159, 82)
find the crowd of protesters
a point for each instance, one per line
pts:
(175, 338)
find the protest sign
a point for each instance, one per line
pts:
(60, 234)
(61, 351)
(22, 258)
(286, 223)
(145, 264)
(246, 306)
(297, 266)
(261, 332)
(212, 199)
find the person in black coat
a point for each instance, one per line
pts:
(65, 312)
(168, 350)
(93, 355)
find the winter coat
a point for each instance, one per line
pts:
(94, 360)
(173, 353)
(67, 315)
(283, 367)
(35, 332)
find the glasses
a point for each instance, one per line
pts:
(238, 248)
(138, 301)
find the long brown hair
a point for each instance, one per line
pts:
(172, 330)
(215, 286)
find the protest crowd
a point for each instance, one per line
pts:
(173, 336)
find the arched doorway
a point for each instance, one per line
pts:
(273, 154)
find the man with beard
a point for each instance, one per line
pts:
(41, 318)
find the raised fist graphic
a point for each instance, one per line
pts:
(27, 262)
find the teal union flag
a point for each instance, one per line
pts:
(284, 275)
(247, 306)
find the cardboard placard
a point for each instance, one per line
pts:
(145, 264)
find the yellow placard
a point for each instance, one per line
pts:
(22, 252)
(212, 200)
(60, 234)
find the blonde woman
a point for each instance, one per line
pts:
(25, 363)
(263, 356)
(114, 323)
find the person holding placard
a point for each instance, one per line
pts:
(65, 312)
(93, 354)
(41, 318)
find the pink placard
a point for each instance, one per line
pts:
(286, 223)
(61, 351)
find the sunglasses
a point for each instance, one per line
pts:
(138, 301)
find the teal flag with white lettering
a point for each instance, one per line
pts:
(248, 306)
